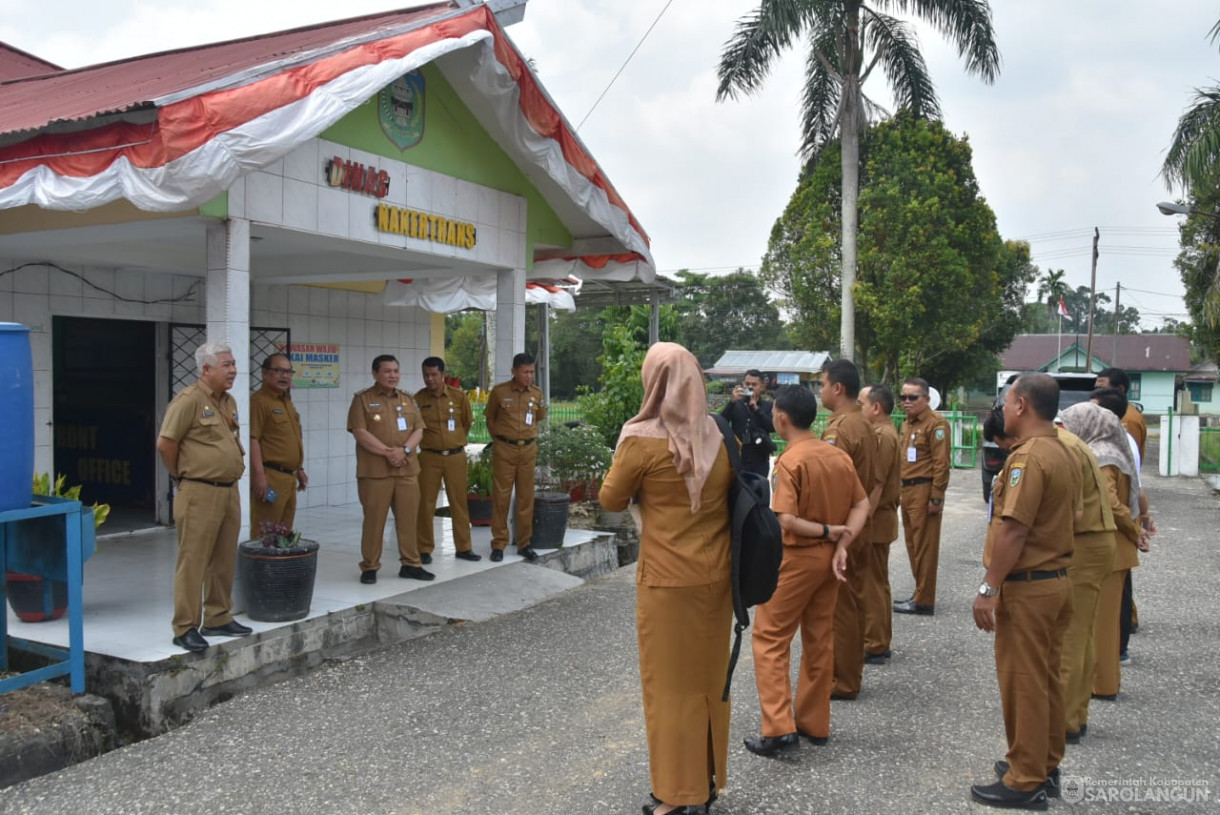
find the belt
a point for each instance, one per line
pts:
(910, 482)
(1027, 577)
(279, 468)
(452, 452)
(515, 442)
(209, 483)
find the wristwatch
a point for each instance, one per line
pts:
(987, 591)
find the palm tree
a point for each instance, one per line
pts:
(1051, 286)
(847, 40)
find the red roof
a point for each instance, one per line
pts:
(33, 102)
(15, 63)
(1136, 352)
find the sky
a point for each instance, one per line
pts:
(1070, 137)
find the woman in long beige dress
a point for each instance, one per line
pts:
(671, 457)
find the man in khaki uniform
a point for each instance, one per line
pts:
(200, 446)
(877, 401)
(925, 477)
(1026, 596)
(387, 427)
(849, 431)
(821, 508)
(442, 455)
(1133, 420)
(277, 450)
(514, 410)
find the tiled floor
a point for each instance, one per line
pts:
(129, 582)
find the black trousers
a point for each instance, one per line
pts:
(1124, 614)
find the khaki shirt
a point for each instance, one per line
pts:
(1098, 516)
(276, 425)
(437, 413)
(1134, 423)
(204, 424)
(1126, 556)
(514, 412)
(677, 547)
(815, 482)
(848, 430)
(889, 471)
(378, 411)
(928, 434)
(1039, 488)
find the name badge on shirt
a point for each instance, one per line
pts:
(452, 425)
(402, 422)
(529, 419)
(910, 454)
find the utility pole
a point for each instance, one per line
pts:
(1118, 310)
(1092, 305)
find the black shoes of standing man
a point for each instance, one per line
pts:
(192, 640)
(767, 746)
(911, 607)
(1001, 795)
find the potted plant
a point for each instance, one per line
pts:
(277, 572)
(571, 459)
(37, 583)
(478, 486)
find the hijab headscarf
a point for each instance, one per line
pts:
(675, 409)
(1103, 432)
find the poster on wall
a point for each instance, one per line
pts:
(316, 364)
(400, 109)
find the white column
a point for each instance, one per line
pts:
(510, 320)
(228, 319)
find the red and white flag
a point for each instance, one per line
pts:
(1063, 312)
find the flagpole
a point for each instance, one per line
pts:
(1059, 356)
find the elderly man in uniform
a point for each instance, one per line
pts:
(514, 410)
(442, 455)
(877, 402)
(925, 477)
(1026, 596)
(200, 446)
(277, 450)
(387, 427)
(849, 431)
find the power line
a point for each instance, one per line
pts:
(624, 65)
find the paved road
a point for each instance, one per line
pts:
(539, 712)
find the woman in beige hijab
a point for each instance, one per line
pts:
(671, 457)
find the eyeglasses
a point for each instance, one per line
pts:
(910, 397)
(282, 371)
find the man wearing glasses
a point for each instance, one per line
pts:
(925, 477)
(276, 448)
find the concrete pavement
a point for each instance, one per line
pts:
(539, 711)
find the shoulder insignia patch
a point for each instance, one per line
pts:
(831, 440)
(940, 434)
(1014, 478)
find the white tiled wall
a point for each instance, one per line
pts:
(358, 322)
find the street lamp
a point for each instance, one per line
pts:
(1168, 208)
(1211, 301)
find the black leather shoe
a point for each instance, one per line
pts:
(770, 745)
(497, 555)
(369, 576)
(1107, 697)
(1084, 730)
(528, 553)
(230, 629)
(1051, 784)
(416, 573)
(999, 795)
(877, 659)
(842, 697)
(1072, 737)
(911, 607)
(818, 740)
(425, 558)
(691, 809)
(192, 641)
(471, 556)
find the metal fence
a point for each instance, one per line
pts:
(556, 415)
(1209, 450)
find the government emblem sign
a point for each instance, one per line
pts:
(400, 109)
(1015, 478)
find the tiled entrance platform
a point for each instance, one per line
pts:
(154, 685)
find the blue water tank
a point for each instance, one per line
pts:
(16, 417)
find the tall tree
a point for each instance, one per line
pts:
(1051, 287)
(719, 312)
(847, 40)
(940, 292)
(1198, 263)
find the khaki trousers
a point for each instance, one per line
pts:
(878, 604)
(434, 467)
(512, 466)
(378, 496)
(1092, 562)
(208, 520)
(1031, 619)
(922, 533)
(804, 597)
(282, 511)
(849, 621)
(1107, 671)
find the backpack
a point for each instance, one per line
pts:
(757, 547)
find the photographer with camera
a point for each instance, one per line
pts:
(750, 416)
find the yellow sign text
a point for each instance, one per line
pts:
(424, 226)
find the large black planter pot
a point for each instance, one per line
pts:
(550, 519)
(277, 584)
(34, 598)
(480, 509)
